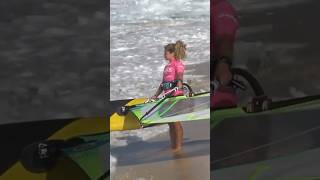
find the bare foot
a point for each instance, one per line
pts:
(170, 149)
(178, 153)
(176, 150)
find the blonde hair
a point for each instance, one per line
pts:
(178, 48)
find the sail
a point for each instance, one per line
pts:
(278, 107)
(174, 109)
(279, 144)
(298, 166)
(91, 155)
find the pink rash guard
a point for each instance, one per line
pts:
(171, 70)
(223, 21)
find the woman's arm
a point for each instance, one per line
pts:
(180, 80)
(225, 25)
(225, 47)
(159, 91)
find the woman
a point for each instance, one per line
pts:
(223, 27)
(174, 53)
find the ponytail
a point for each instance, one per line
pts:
(180, 50)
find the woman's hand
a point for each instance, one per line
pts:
(159, 91)
(224, 74)
(154, 97)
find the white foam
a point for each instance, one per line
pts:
(113, 164)
(139, 10)
(140, 29)
(122, 49)
(120, 138)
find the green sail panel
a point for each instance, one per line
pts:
(220, 115)
(300, 166)
(174, 109)
(91, 156)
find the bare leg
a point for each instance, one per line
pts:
(176, 135)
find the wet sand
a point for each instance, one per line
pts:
(152, 159)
